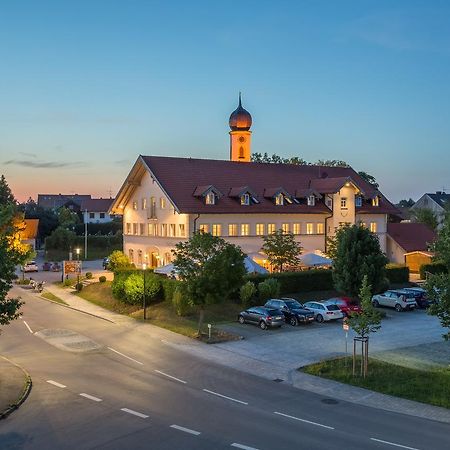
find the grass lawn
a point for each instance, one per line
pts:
(53, 297)
(163, 314)
(426, 386)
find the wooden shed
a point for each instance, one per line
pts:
(415, 259)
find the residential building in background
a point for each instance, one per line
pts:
(95, 210)
(437, 202)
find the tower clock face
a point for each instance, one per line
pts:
(241, 139)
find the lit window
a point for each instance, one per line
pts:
(216, 229)
(141, 229)
(204, 228)
(285, 228)
(271, 228)
(162, 202)
(320, 228)
(376, 201)
(343, 203)
(245, 199)
(245, 229)
(135, 228)
(373, 227)
(164, 229)
(279, 199)
(311, 200)
(128, 228)
(139, 259)
(144, 203)
(232, 229)
(152, 208)
(358, 201)
(151, 229)
(296, 228)
(309, 228)
(182, 230)
(135, 205)
(260, 229)
(210, 198)
(172, 230)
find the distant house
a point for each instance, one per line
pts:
(437, 202)
(95, 210)
(407, 237)
(55, 201)
(29, 234)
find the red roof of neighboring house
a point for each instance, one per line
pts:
(180, 178)
(411, 236)
(97, 204)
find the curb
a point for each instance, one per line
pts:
(25, 393)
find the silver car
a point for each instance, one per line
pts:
(324, 311)
(399, 299)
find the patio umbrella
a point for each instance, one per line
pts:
(253, 267)
(312, 259)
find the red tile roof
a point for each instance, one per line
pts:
(180, 177)
(411, 236)
(97, 204)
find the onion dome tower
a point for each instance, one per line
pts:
(240, 134)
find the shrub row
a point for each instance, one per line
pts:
(397, 273)
(434, 268)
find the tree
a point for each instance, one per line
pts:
(48, 220)
(118, 260)
(406, 203)
(357, 254)
(438, 291)
(281, 248)
(331, 163)
(442, 244)
(61, 239)
(363, 323)
(369, 178)
(425, 216)
(67, 218)
(12, 252)
(211, 269)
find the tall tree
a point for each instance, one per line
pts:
(6, 196)
(281, 249)
(442, 244)
(357, 254)
(406, 203)
(438, 290)
(426, 216)
(211, 269)
(369, 178)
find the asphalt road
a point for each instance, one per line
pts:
(137, 392)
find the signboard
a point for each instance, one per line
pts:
(345, 326)
(71, 267)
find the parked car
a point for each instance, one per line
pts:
(324, 311)
(346, 305)
(263, 317)
(399, 299)
(420, 295)
(294, 312)
(30, 267)
(47, 266)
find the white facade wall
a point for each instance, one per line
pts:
(394, 252)
(99, 217)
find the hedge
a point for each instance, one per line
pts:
(434, 268)
(397, 273)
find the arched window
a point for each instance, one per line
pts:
(241, 152)
(131, 255)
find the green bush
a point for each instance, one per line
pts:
(102, 279)
(269, 288)
(67, 282)
(180, 302)
(435, 268)
(397, 273)
(88, 275)
(118, 260)
(24, 282)
(247, 293)
(79, 286)
(134, 288)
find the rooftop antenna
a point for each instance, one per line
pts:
(110, 192)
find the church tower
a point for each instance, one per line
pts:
(240, 134)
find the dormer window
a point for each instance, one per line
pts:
(245, 199)
(358, 201)
(279, 199)
(210, 198)
(311, 200)
(376, 201)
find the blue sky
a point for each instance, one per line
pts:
(86, 86)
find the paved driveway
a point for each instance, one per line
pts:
(292, 347)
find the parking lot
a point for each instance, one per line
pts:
(293, 347)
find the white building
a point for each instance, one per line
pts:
(96, 210)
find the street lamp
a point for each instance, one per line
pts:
(144, 267)
(77, 251)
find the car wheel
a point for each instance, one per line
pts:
(375, 304)
(263, 325)
(398, 308)
(241, 319)
(293, 321)
(319, 318)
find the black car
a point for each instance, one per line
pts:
(420, 295)
(294, 312)
(263, 317)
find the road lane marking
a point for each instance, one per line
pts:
(125, 356)
(244, 447)
(186, 430)
(135, 413)
(224, 396)
(170, 376)
(91, 397)
(28, 326)
(56, 384)
(304, 420)
(393, 444)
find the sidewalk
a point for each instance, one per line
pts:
(284, 372)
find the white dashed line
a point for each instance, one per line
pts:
(56, 384)
(125, 356)
(135, 413)
(304, 420)
(91, 397)
(28, 326)
(244, 447)
(170, 376)
(186, 430)
(224, 396)
(393, 444)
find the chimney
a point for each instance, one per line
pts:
(438, 193)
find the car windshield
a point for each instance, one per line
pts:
(272, 311)
(292, 304)
(332, 307)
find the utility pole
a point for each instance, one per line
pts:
(85, 233)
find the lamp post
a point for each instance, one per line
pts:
(77, 251)
(144, 297)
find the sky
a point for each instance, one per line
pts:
(87, 86)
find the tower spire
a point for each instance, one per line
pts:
(240, 101)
